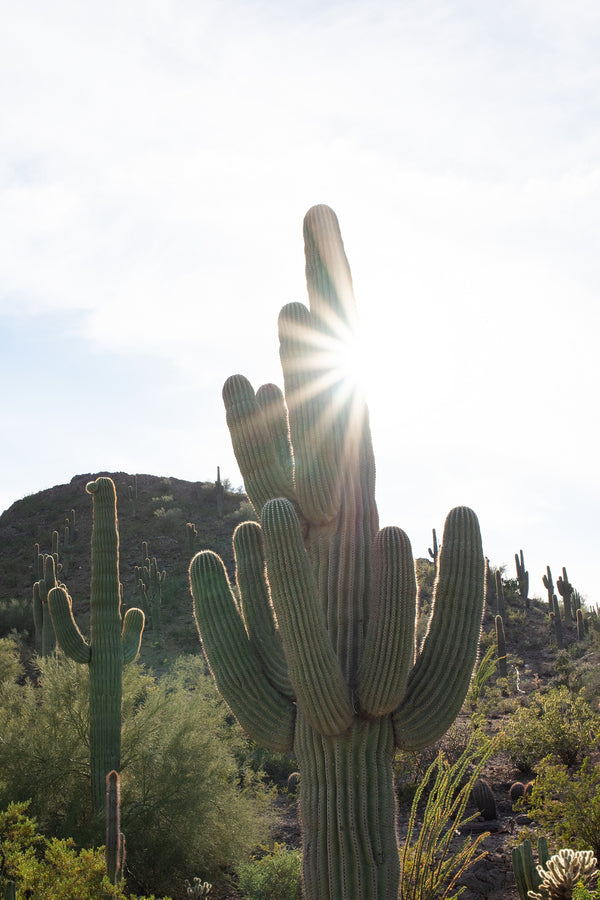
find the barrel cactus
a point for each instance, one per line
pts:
(113, 640)
(318, 655)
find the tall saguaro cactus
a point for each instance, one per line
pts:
(319, 655)
(113, 640)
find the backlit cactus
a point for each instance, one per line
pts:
(44, 629)
(549, 585)
(522, 576)
(113, 640)
(565, 589)
(319, 654)
(562, 872)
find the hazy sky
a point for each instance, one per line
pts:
(156, 162)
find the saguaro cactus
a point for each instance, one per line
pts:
(522, 576)
(565, 589)
(333, 675)
(114, 849)
(113, 641)
(44, 629)
(549, 585)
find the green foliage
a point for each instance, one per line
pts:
(274, 876)
(567, 803)
(581, 892)
(50, 869)
(10, 658)
(183, 807)
(15, 615)
(555, 723)
(431, 869)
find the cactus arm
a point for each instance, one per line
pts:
(249, 554)
(271, 402)
(314, 668)
(390, 641)
(131, 634)
(68, 635)
(256, 450)
(261, 710)
(440, 679)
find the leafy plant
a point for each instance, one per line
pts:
(567, 803)
(276, 875)
(555, 723)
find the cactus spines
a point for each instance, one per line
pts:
(522, 577)
(562, 872)
(565, 589)
(433, 552)
(501, 647)
(113, 640)
(549, 585)
(483, 798)
(319, 656)
(524, 867)
(114, 852)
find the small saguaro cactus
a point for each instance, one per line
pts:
(557, 622)
(525, 870)
(42, 621)
(522, 577)
(565, 589)
(549, 585)
(191, 537)
(114, 850)
(501, 647)
(433, 552)
(501, 610)
(319, 655)
(113, 641)
(220, 494)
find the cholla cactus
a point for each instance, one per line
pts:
(562, 872)
(198, 888)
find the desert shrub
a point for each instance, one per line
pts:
(274, 876)
(10, 659)
(15, 615)
(567, 803)
(274, 767)
(50, 869)
(183, 807)
(581, 892)
(411, 767)
(553, 724)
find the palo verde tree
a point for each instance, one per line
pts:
(113, 641)
(334, 674)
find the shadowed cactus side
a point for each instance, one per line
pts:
(42, 620)
(522, 577)
(319, 653)
(565, 589)
(114, 851)
(113, 641)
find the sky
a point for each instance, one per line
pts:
(156, 162)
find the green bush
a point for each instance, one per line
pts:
(581, 892)
(274, 876)
(553, 724)
(567, 804)
(184, 810)
(50, 869)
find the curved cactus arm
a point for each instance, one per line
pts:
(68, 635)
(249, 553)
(314, 668)
(262, 711)
(440, 679)
(257, 448)
(131, 634)
(390, 641)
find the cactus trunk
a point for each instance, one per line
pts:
(347, 808)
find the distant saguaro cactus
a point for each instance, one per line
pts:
(113, 641)
(501, 647)
(501, 609)
(220, 494)
(565, 589)
(522, 577)
(333, 675)
(549, 585)
(433, 552)
(42, 621)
